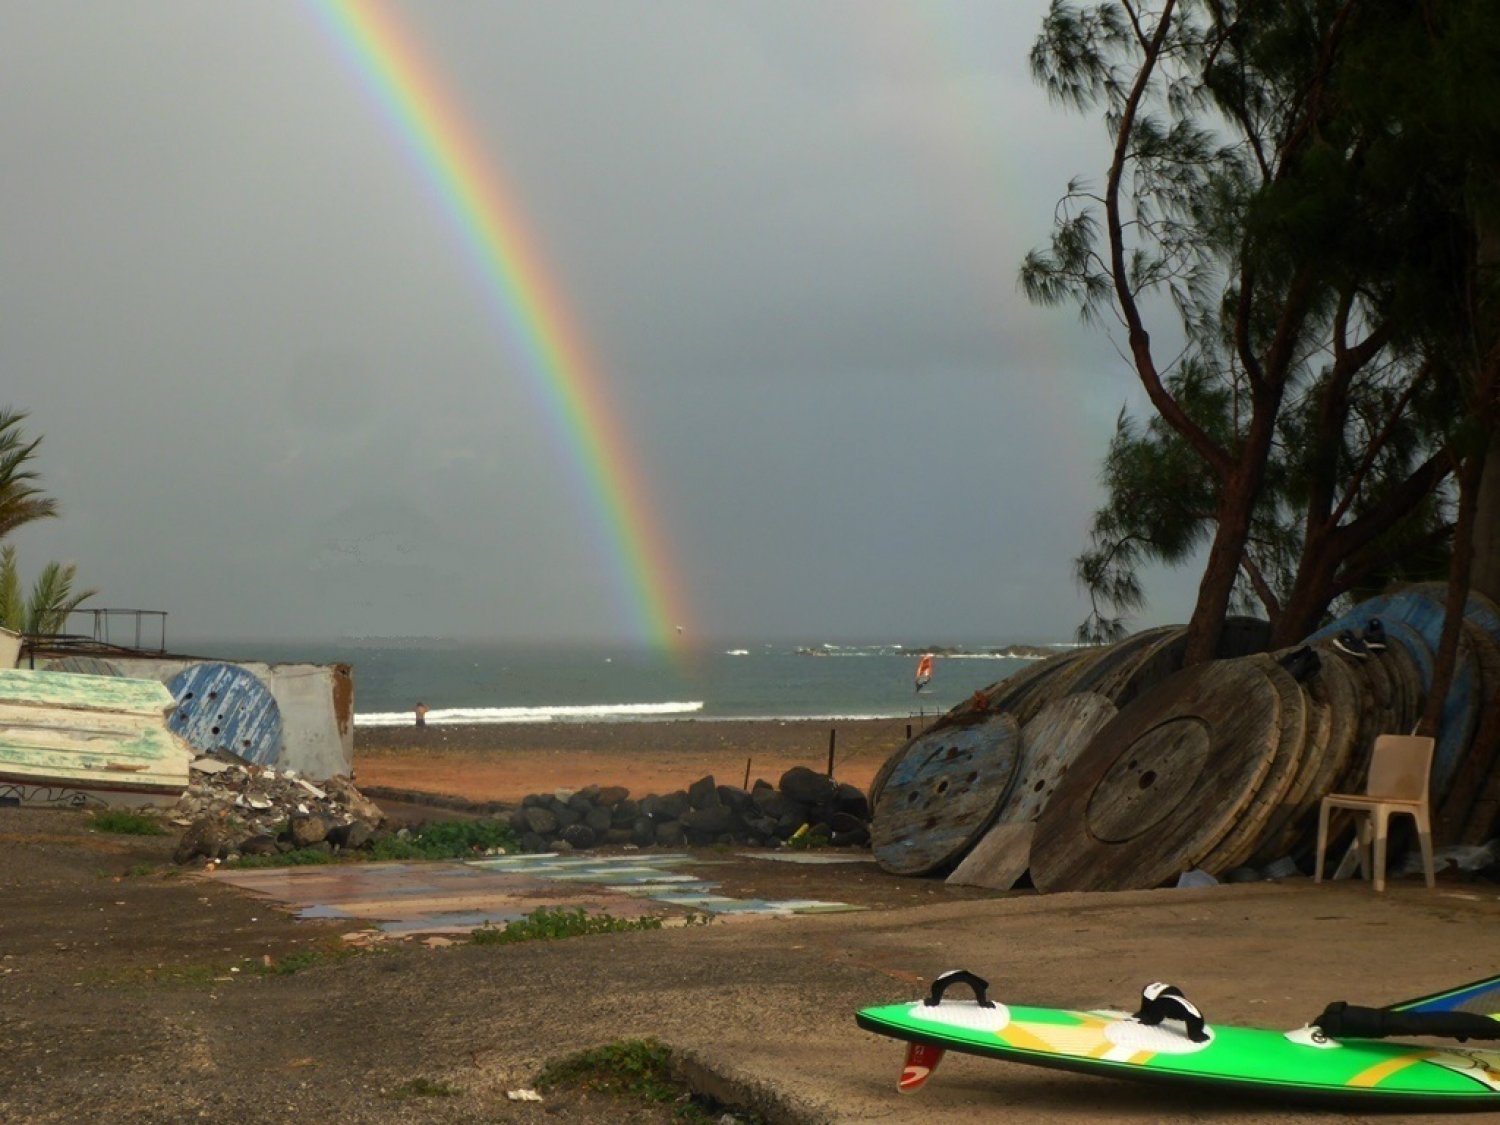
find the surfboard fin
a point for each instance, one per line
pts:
(921, 1061)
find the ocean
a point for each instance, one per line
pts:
(478, 682)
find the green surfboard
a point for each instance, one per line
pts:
(1303, 1065)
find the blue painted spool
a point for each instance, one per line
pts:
(222, 706)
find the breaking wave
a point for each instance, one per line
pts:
(577, 713)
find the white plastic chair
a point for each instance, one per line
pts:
(1400, 781)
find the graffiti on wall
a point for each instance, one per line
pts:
(14, 793)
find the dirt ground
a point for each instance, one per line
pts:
(131, 991)
(505, 762)
(161, 954)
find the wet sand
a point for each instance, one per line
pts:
(505, 762)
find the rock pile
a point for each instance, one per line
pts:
(703, 814)
(233, 807)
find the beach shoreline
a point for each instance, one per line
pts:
(504, 762)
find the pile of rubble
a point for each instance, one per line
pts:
(803, 804)
(233, 807)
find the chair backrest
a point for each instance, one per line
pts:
(1400, 767)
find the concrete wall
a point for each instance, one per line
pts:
(10, 647)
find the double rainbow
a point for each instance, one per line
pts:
(553, 351)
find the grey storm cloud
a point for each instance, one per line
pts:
(279, 399)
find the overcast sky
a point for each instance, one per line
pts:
(276, 401)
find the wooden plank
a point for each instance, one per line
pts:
(60, 754)
(25, 687)
(1162, 783)
(943, 793)
(1235, 847)
(1050, 743)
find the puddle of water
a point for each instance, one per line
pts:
(448, 896)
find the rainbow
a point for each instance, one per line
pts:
(554, 353)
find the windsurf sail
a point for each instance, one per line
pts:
(1482, 997)
(924, 670)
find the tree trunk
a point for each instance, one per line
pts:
(1214, 591)
(1485, 577)
(1310, 594)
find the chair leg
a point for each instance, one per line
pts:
(1382, 822)
(1362, 833)
(1424, 839)
(1322, 841)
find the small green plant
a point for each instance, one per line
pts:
(306, 959)
(298, 857)
(448, 839)
(138, 869)
(550, 924)
(424, 1088)
(639, 1070)
(804, 840)
(126, 823)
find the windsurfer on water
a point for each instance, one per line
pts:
(924, 670)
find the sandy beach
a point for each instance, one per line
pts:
(505, 762)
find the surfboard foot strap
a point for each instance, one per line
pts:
(1161, 1001)
(942, 982)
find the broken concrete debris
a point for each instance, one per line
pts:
(233, 807)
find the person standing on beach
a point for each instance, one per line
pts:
(421, 711)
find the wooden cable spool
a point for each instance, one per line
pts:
(1050, 743)
(1161, 783)
(1333, 702)
(1058, 686)
(1107, 676)
(942, 794)
(1237, 845)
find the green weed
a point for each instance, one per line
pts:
(803, 840)
(550, 924)
(449, 839)
(126, 823)
(636, 1069)
(299, 857)
(424, 1088)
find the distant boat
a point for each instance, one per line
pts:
(924, 670)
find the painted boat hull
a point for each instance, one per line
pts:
(75, 741)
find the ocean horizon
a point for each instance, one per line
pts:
(483, 682)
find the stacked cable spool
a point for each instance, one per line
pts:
(1114, 768)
